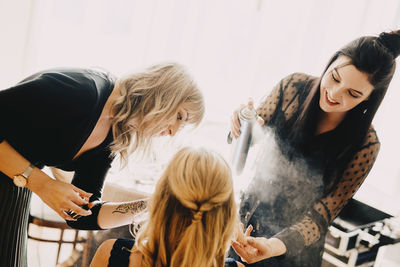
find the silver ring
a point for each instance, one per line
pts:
(70, 212)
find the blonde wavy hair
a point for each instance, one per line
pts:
(192, 214)
(152, 99)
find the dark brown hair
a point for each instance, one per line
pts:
(375, 56)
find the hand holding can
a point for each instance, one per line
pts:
(247, 117)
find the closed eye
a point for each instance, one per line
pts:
(334, 78)
(351, 93)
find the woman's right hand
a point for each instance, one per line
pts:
(60, 196)
(235, 123)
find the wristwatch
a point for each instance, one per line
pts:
(21, 180)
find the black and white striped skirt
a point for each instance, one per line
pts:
(14, 215)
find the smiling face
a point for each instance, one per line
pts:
(176, 123)
(343, 87)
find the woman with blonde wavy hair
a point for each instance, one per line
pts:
(78, 120)
(192, 218)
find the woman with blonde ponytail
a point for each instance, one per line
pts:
(192, 218)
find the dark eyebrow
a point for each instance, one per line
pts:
(337, 73)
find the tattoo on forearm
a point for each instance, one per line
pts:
(132, 207)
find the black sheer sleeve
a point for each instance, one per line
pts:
(316, 221)
(284, 96)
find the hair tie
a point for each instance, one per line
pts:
(197, 216)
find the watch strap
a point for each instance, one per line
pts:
(28, 171)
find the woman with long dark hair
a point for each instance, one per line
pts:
(322, 128)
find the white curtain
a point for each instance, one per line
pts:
(235, 49)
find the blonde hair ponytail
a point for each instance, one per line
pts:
(192, 213)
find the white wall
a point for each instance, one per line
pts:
(15, 26)
(234, 48)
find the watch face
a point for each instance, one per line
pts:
(20, 181)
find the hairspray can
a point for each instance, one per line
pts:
(248, 118)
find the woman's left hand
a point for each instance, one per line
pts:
(254, 249)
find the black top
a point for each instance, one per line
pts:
(285, 198)
(119, 255)
(47, 118)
